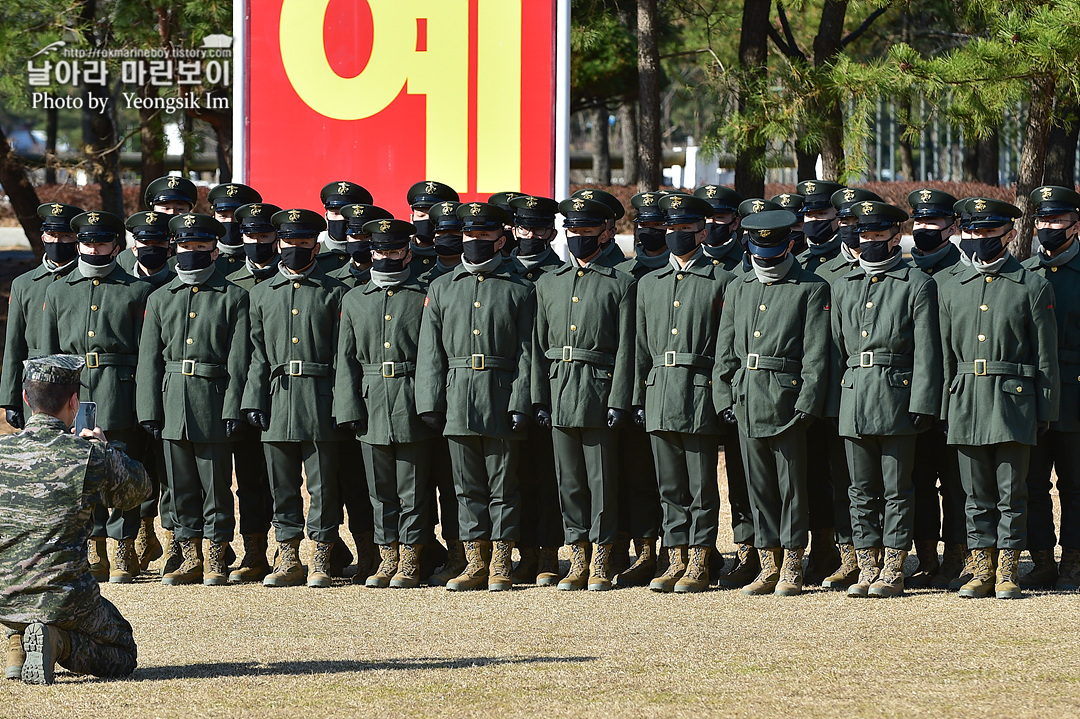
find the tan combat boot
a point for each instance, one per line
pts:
(600, 571)
(528, 565)
(147, 546)
(643, 569)
(696, 576)
(620, 553)
(44, 646)
(890, 583)
(1069, 574)
(501, 567)
(475, 574)
(982, 575)
(390, 558)
(455, 564)
(791, 574)
(340, 558)
(953, 562)
(926, 551)
(16, 657)
(97, 554)
(578, 575)
(288, 571)
(190, 570)
(966, 572)
(848, 571)
(1007, 585)
(254, 567)
(319, 576)
(367, 559)
(408, 572)
(547, 569)
(1044, 574)
(675, 570)
(769, 573)
(823, 559)
(746, 568)
(869, 570)
(216, 572)
(126, 563)
(173, 556)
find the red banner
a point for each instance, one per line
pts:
(385, 93)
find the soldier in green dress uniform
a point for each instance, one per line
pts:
(448, 237)
(333, 253)
(612, 254)
(169, 195)
(151, 254)
(224, 201)
(722, 245)
(421, 196)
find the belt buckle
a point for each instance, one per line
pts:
(187, 368)
(979, 373)
(92, 360)
(567, 353)
(474, 364)
(386, 365)
(669, 359)
(752, 360)
(866, 359)
(296, 368)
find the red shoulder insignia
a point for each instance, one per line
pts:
(426, 300)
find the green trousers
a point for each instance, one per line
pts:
(776, 474)
(397, 484)
(442, 494)
(689, 489)
(939, 494)
(587, 465)
(253, 498)
(742, 516)
(1059, 451)
(353, 491)
(995, 482)
(488, 494)
(639, 491)
(828, 480)
(200, 479)
(881, 491)
(319, 462)
(541, 518)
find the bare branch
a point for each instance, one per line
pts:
(854, 34)
(794, 52)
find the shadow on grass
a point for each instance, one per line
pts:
(333, 666)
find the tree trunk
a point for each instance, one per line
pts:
(601, 146)
(832, 143)
(907, 156)
(1060, 168)
(151, 140)
(649, 97)
(99, 129)
(753, 54)
(989, 151)
(806, 164)
(1032, 159)
(21, 194)
(52, 121)
(829, 112)
(629, 131)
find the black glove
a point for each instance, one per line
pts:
(153, 428)
(543, 415)
(727, 416)
(356, 425)
(1044, 427)
(639, 417)
(232, 426)
(15, 418)
(803, 418)
(921, 421)
(617, 417)
(258, 419)
(945, 428)
(435, 420)
(518, 421)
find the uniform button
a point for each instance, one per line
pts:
(905, 383)
(529, 276)
(476, 332)
(386, 345)
(757, 333)
(190, 341)
(427, 262)
(479, 278)
(676, 303)
(97, 282)
(869, 305)
(1019, 390)
(794, 382)
(982, 338)
(678, 277)
(984, 308)
(865, 333)
(475, 304)
(387, 318)
(989, 280)
(90, 333)
(715, 262)
(191, 315)
(93, 308)
(761, 307)
(295, 311)
(194, 290)
(768, 284)
(930, 271)
(296, 285)
(674, 330)
(295, 340)
(573, 328)
(1053, 269)
(389, 293)
(574, 299)
(874, 280)
(580, 273)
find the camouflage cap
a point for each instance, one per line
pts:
(54, 369)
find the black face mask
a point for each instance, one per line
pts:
(233, 235)
(768, 261)
(875, 251)
(682, 242)
(96, 260)
(476, 252)
(61, 253)
(582, 246)
(651, 239)
(799, 237)
(818, 231)
(359, 250)
(1053, 240)
(927, 240)
(260, 252)
(510, 243)
(984, 249)
(194, 260)
(386, 264)
(448, 245)
(425, 231)
(849, 236)
(719, 234)
(297, 258)
(336, 229)
(152, 257)
(529, 246)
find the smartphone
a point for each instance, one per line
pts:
(86, 418)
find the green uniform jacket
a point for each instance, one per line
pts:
(193, 358)
(785, 325)
(244, 277)
(834, 269)
(729, 255)
(101, 320)
(330, 260)
(886, 328)
(584, 344)
(127, 260)
(636, 268)
(294, 334)
(424, 258)
(678, 313)
(548, 261)
(351, 278)
(232, 262)
(376, 365)
(430, 272)
(1007, 318)
(24, 328)
(611, 255)
(817, 255)
(945, 268)
(477, 320)
(1065, 280)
